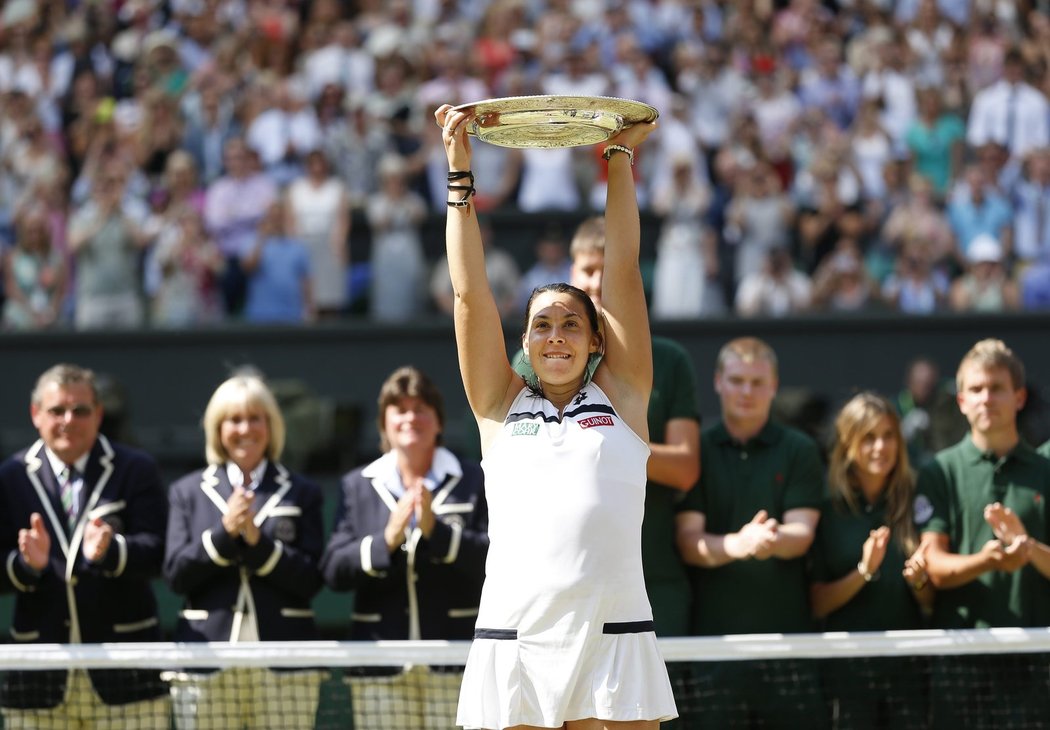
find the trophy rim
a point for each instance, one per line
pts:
(553, 120)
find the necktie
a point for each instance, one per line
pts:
(66, 479)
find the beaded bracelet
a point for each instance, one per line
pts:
(619, 148)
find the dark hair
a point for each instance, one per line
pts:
(562, 288)
(408, 382)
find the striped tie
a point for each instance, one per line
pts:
(66, 479)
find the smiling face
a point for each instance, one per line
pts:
(875, 452)
(559, 339)
(410, 423)
(244, 433)
(68, 418)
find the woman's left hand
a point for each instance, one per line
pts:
(424, 515)
(633, 135)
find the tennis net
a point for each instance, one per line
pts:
(995, 678)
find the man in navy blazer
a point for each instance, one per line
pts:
(81, 535)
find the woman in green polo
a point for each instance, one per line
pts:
(868, 570)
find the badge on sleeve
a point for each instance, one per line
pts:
(922, 510)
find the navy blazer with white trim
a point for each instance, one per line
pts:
(430, 587)
(73, 600)
(204, 563)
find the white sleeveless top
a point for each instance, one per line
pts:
(564, 628)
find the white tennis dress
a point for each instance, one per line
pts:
(564, 630)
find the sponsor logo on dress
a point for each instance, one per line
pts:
(525, 429)
(596, 421)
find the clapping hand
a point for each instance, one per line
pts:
(240, 515)
(874, 550)
(34, 544)
(755, 539)
(97, 538)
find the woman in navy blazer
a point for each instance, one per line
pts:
(410, 538)
(244, 539)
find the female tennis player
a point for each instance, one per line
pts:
(564, 637)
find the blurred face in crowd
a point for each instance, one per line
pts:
(587, 268)
(746, 389)
(68, 418)
(244, 433)
(988, 398)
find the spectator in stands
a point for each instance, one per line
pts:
(841, 283)
(976, 208)
(501, 270)
(890, 84)
(1031, 197)
(936, 141)
(985, 286)
(868, 572)
(188, 266)
(82, 531)
(1010, 112)
(234, 207)
(278, 271)
(318, 210)
(410, 539)
(916, 286)
(395, 213)
(980, 508)
(758, 220)
(552, 265)
(1035, 285)
(244, 539)
(830, 84)
(685, 277)
(36, 278)
(777, 290)
(106, 238)
(745, 529)
(209, 125)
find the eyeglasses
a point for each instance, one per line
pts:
(78, 411)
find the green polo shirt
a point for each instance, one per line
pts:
(778, 470)
(953, 491)
(673, 396)
(1044, 450)
(884, 604)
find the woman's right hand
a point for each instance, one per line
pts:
(454, 136)
(394, 532)
(874, 550)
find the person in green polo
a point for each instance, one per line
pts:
(674, 427)
(981, 507)
(745, 531)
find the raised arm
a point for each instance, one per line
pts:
(628, 360)
(487, 376)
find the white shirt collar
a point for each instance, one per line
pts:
(236, 476)
(384, 471)
(58, 466)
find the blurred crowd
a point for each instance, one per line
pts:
(185, 162)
